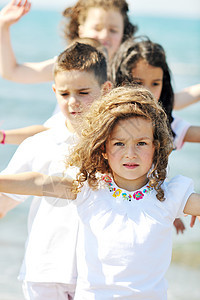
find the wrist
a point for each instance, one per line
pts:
(2, 137)
(3, 24)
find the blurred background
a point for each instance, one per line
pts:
(173, 24)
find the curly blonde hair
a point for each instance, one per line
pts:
(76, 15)
(121, 103)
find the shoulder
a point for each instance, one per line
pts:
(89, 195)
(176, 183)
(178, 186)
(177, 191)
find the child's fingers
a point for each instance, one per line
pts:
(19, 3)
(25, 5)
(13, 2)
(28, 6)
(22, 3)
(192, 222)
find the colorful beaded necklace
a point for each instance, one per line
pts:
(116, 192)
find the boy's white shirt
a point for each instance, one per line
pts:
(55, 120)
(52, 223)
(124, 247)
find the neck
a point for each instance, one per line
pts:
(130, 185)
(72, 128)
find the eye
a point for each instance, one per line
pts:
(137, 82)
(113, 30)
(64, 94)
(141, 144)
(97, 28)
(156, 84)
(84, 93)
(118, 144)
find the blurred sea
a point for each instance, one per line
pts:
(38, 37)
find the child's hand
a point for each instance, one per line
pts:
(193, 219)
(179, 225)
(12, 12)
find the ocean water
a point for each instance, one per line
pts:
(38, 37)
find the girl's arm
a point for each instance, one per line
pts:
(37, 184)
(9, 68)
(192, 134)
(17, 136)
(192, 206)
(187, 97)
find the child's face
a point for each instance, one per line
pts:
(148, 76)
(130, 150)
(105, 26)
(75, 91)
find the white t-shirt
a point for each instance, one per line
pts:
(124, 247)
(55, 121)
(180, 127)
(53, 225)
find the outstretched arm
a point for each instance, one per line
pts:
(192, 206)
(37, 184)
(187, 97)
(192, 134)
(17, 136)
(9, 68)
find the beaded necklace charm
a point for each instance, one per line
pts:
(116, 192)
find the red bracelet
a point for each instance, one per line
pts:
(4, 137)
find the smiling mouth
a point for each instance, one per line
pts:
(130, 166)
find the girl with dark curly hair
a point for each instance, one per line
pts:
(141, 61)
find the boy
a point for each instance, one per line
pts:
(48, 270)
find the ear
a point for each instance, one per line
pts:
(80, 31)
(105, 156)
(54, 87)
(107, 87)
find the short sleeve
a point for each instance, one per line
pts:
(177, 192)
(180, 128)
(83, 195)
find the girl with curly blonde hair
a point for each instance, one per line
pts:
(106, 21)
(125, 206)
(121, 104)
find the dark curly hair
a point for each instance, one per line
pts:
(126, 58)
(77, 14)
(121, 103)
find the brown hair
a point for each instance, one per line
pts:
(82, 57)
(77, 14)
(121, 103)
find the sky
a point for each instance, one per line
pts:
(175, 8)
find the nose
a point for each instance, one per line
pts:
(131, 151)
(73, 101)
(103, 35)
(148, 87)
